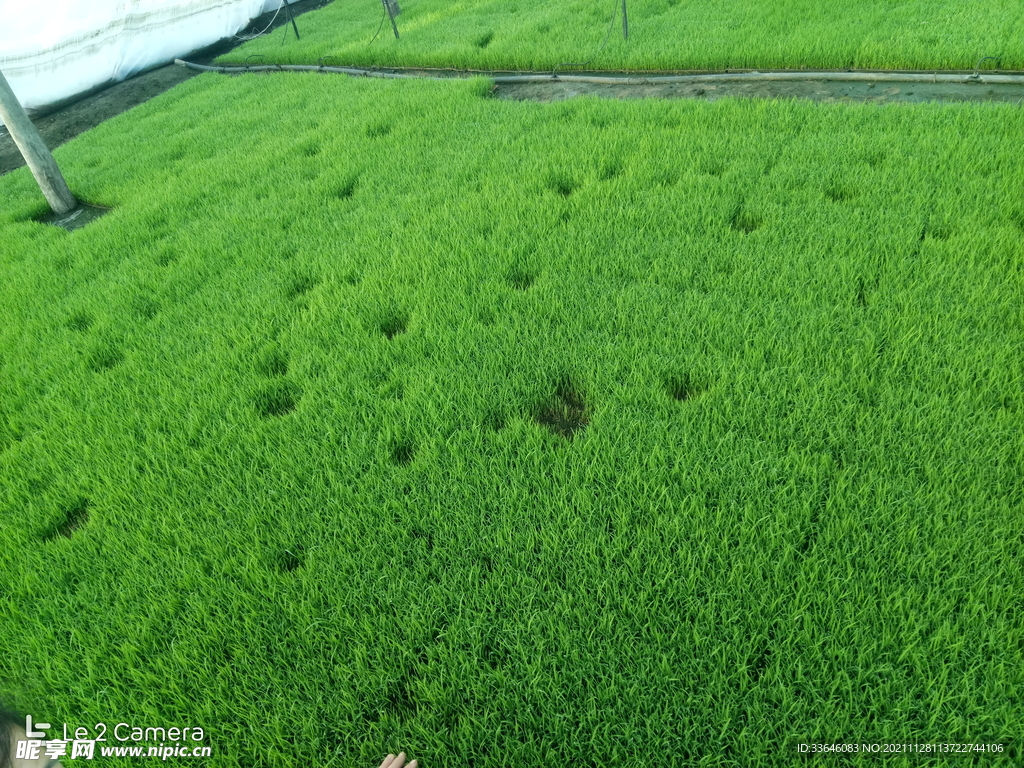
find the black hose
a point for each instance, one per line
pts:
(729, 77)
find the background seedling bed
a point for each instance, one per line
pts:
(664, 35)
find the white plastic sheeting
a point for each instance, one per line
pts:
(51, 50)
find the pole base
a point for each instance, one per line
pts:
(76, 218)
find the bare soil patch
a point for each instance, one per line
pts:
(879, 93)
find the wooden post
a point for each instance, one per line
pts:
(34, 150)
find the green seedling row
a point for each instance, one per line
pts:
(663, 35)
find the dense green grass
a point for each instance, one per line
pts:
(383, 415)
(664, 35)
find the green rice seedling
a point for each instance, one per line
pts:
(528, 449)
(663, 35)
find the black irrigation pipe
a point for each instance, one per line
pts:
(732, 77)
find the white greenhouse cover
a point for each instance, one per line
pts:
(51, 50)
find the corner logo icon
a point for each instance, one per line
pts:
(41, 734)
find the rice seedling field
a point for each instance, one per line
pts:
(385, 416)
(663, 35)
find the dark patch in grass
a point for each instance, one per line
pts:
(8, 436)
(437, 632)
(566, 413)
(714, 499)
(371, 717)
(347, 188)
(745, 222)
(869, 397)
(291, 559)
(485, 317)
(836, 453)
(277, 399)
(941, 233)
(762, 658)
(400, 700)
(421, 658)
(520, 279)
(378, 130)
(670, 121)
(105, 358)
(403, 452)
(806, 543)
(683, 387)
(862, 293)
(273, 363)
(874, 159)
(494, 654)
(145, 307)
(495, 421)
(812, 530)
(1017, 219)
(838, 194)
(881, 347)
(562, 184)
(425, 536)
(565, 112)
(352, 278)
(666, 177)
(713, 168)
(395, 390)
(310, 149)
(166, 256)
(484, 40)
(610, 170)
(394, 324)
(299, 286)
(72, 518)
(80, 322)
(486, 565)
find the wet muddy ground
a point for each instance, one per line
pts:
(881, 92)
(68, 121)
